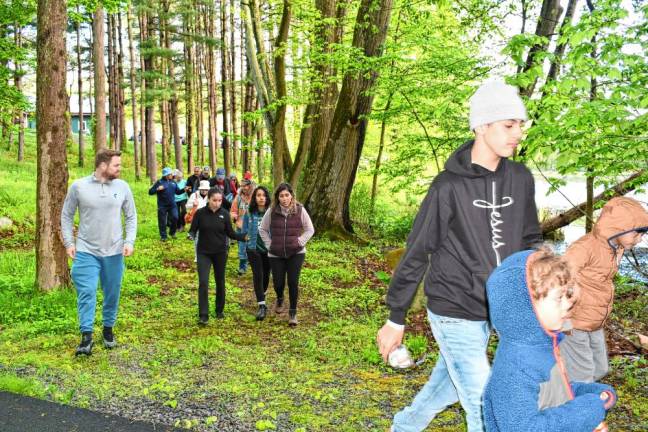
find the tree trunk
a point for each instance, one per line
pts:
(52, 131)
(20, 117)
(270, 85)
(622, 188)
(143, 103)
(123, 139)
(172, 104)
(189, 93)
(589, 208)
(99, 79)
(260, 154)
(549, 15)
(248, 132)
(236, 132)
(329, 203)
(133, 94)
(225, 82)
(164, 119)
(200, 107)
(112, 87)
(80, 93)
(319, 113)
(381, 147)
(560, 47)
(151, 157)
(589, 203)
(210, 73)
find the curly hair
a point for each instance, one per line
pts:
(548, 271)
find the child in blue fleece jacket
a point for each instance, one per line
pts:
(529, 298)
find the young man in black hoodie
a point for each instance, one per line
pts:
(478, 211)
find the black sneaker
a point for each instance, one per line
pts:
(85, 347)
(203, 321)
(109, 338)
(220, 315)
(261, 313)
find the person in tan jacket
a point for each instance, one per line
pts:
(595, 259)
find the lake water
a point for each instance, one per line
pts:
(575, 193)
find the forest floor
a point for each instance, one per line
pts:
(238, 374)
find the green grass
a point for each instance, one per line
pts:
(324, 375)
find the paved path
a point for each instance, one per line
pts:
(25, 414)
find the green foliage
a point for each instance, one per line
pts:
(592, 116)
(385, 220)
(24, 386)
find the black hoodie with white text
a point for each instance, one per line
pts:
(470, 220)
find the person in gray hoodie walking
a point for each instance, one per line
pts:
(100, 248)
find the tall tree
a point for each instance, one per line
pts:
(225, 86)
(549, 17)
(319, 112)
(52, 132)
(136, 139)
(187, 28)
(235, 129)
(77, 25)
(328, 201)
(20, 114)
(99, 79)
(147, 44)
(270, 83)
(123, 139)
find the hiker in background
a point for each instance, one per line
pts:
(234, 184)
(222, 184)
(239, 209)
(211, 226)
(166, 190)
(181, 200)
(196, 201)
(479, 210)
(205, 174)
(285, 230)
(194, 180)
(595, 259)
(99, 250)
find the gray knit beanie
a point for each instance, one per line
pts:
(495, 101)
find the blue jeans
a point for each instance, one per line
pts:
(461, 374)
(87, 269)
(167, 216)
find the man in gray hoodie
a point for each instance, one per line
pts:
(99, 250)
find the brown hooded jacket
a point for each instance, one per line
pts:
(595, 258)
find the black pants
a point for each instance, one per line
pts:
(260, 272)
(291, 267)
(182, 212)
(205, 262)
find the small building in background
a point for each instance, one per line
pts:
(75, 121)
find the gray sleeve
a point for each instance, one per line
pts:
(130, 217)
(67, 216)
(264, 229)
(309, 230)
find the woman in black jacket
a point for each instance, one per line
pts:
(214, 224)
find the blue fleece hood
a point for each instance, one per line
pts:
(510, 307)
